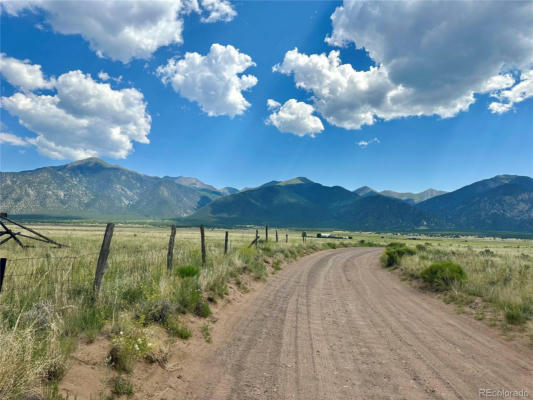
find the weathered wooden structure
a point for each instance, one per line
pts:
(16, 236)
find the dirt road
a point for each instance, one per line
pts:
(335, 325)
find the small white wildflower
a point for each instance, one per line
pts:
(122, 333)
(139, 340)
(149, 344)
(136, 347)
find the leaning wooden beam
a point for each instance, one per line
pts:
(9, 232)
(254, 241)
(5, 240)
(31, 237)
(32, 231)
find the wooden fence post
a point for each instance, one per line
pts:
(102, 259)
(202, 238)
(266, 233)
(276, 236)
(286, 238)
(170, 254)
(256, 237)
(3, 262)
(226, 243)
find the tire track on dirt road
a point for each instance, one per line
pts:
(336, 326)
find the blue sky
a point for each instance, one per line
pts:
(437, 135)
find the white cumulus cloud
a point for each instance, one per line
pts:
(431, 58)
(104, 76)
(217, 10)
(273, 104)
(13, 140)
(214, 81)
(294, 117)
(364, 143)
(507, 98)
(82, 118)
(22, 74)
(122, 30)
(497, 82)
(342, 95)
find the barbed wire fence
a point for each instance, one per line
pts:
(37, 278)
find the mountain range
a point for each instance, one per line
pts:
(300, 202)
(94, 189)
(411, 198)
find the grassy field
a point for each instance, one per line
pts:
(498, 281)
(47, 303)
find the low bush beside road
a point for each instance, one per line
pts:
(441, 275)
(394, 253)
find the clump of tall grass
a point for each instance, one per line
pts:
(27, 357)
(121, 386)
(175, 327)
(18, 369)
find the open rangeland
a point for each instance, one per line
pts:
(256, 324)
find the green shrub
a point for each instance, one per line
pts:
(175, 328)
(387, 259)
(133, 295)
(393, 245)
(50, 392)
(514, 315)
(130, 343)
(247, 254)
(206, 333)
(218, 286)
(487, 253)
(267, 250)
(441, 275)
(87, 319)
(156, 311)
(258, 269)
(188, 295)
(517, 314)
(120, 359)
(188, 271)
(202, 309)
(393, 254)
(276, 265)
(121, 386)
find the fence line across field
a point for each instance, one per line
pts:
(106, 254)
(53, 257)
